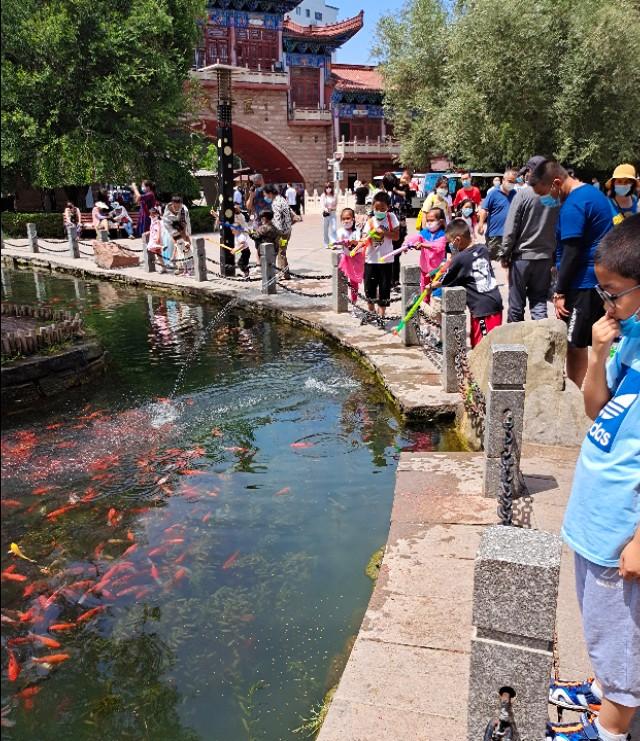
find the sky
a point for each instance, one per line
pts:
(357, 49)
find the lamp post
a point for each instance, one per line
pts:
(225, 164)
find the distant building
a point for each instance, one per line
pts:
(294, 109)
(313, 13)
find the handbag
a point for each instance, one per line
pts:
(326, 213)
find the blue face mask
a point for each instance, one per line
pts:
(380, 215)
(630, 327)
(549, 201)
(466, 183)
(467, 211)
(622, 190)
(268, 200)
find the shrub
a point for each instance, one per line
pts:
(47, 224)
(201, 219)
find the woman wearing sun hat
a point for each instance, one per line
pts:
(622, 189)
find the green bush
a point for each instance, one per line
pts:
(201, 219)
(47, 225)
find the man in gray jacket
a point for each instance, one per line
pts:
(528, 248)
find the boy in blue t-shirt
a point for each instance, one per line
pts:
(602, 520)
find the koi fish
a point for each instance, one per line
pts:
(158, 551)
(207, 517)
(90, 613)
(230, 561)
(191, 472)
(60, 511)
(113, 517)
(131, 549)
(51, 659)
(302, 445)
(28, 692)
(66, 445)
(130, 536)
(62, 626)
(45, 640)
(55, 426)
(174, 541)
(9, 502)
(40, 490)
(19, 641)
(10, 576)
(284, 490)
(236, 449)
(15, 549)
(155, 573)
(14, 668)
(180, 574)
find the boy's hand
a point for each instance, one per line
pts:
(630, 560)
(559, 304)
(603, 333)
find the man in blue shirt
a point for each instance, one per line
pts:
(583, 220)
(494, 210)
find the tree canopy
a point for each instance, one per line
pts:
(491, 82)
(96, 92)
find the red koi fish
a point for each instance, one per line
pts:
(302, 445)
(28, 692)
(130, 536)
(51, 659)
(90, 613)
(155, 574)
(131, 549)
(55, 426)
(158, 551)
(40, 490)
(207, 517)
(14, 668)
(191, 472)
(180, 574)
(230, 561)
(19, 641)
(10, 576)
(62, 626)
(283, 491)
(9, 502)
(174, 541)
(113, 517)
(57, 512)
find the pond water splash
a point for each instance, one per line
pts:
(204, 554)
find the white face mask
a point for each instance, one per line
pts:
(442, 192)
(347, 224)
(508, 187)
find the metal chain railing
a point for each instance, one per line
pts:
(288, 289)
(505, 500)
(472, 397)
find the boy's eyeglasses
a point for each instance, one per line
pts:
(611, 298)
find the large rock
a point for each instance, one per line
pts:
(110, 255)
(554, 408)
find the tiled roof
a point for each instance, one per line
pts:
(342, 30)
(355, 77)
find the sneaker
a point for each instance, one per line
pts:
(365, 319)
(381, 322)
(354, 312)
(578, 696)
(583, 730)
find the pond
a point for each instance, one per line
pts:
(198, 560)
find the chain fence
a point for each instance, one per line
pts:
(472, 397)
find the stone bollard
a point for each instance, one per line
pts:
(32, 236)
(507, 376)
(410, 282)
(74, 245)
(103, 235)
(268, 267)
(148, 258)
(199, 261)
(454, 302)
(339, 286)
(515, 593)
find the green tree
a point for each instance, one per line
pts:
(96, 93)
(490, 82)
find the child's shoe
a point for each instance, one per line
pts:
(580, 696)
(380, 321)
(583, 730)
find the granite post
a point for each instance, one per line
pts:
(32, 236)
(410, 286)
(199, 261)
(507, 376)
(454, 320)
(515, 594)
(148, 258)
(339, 286)
(72, 237)
(268, 267)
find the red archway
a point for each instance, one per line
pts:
(259, 154)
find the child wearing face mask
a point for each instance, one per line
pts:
(602, 520)
(467, 211)
(382, 228)
(471, 268)
(154, 237)
(352, 267)
(433, 254)
(438, 198)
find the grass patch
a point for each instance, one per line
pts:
(311, 726)
(373, 567)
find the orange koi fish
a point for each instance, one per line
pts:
(191, 472)
(207, 517)
(236, 449)
(14, 668)
(302, 445)
(90, 613)
(60, 511)
(130, 536)
(19, 641)
(40, 490)
(51, 659)
(230, 561)
(155, 573)
(131, 549)
(284, 490)
(174, 541)
(45, 640)
(62, 626)
(9, 502)
(180, 574)
(28, 692)
(113, 517)
(10, 576)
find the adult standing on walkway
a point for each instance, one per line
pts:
(494, 210)
(467, 191)
(622, 190)
(328, 204)
(291, 194)
(283, 223)
(256, 203)
(361, 192)
(146, 199)
(528, 247)
(583, 220)
(238, 196)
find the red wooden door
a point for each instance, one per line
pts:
(218, 45)
(305, 86)
(257, 47)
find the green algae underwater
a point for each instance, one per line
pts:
(199, 560)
